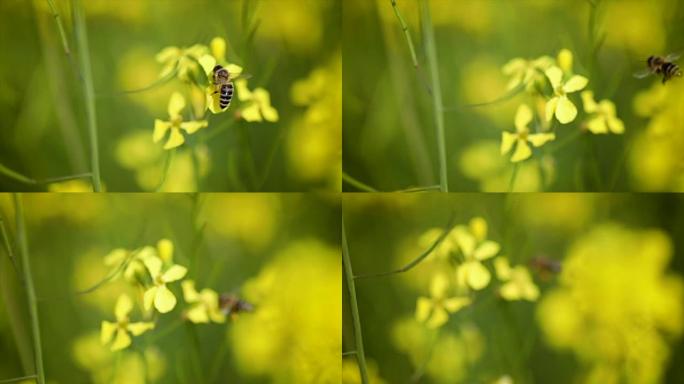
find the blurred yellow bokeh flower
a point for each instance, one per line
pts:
(526, 72)
(122, 329)
(124, 264)
(175, 124)
(184, 60)
(71, 186)
(616, 306)
(351, 375)
(565, 60)
(475, 248)
(444, 248)
(435, 310)
(256, 104)
(517, 281)
(560, 105)
(158, 294)
(204, 305)
(522, 136)
(603, 117)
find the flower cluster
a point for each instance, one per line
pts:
(549, 86)
(153, 271)
(471, 258)
(194, 67)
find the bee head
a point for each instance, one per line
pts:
(217, 67)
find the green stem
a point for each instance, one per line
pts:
(60, 27)
(88, 92)
(431, 52)
(514, 175)
(22, 243)
(165, 170)
(358, 338)
(18, 379)
(12, 174)
(357, 184)
(8, 246)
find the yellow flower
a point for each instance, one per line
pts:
(175, 124)
(559, 104)
(444, 249)
(604, 117)
(435, 309)
(122, 327)
(158, 294)
(518, 284)
(473, 243)
(184, 59)
(522, 136)
(205, 304)
(134, 266)
(526, 71)
(257, 103)
(565, 60)
(216, 55)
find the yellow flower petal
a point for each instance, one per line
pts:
(107, 331)
(616, 125)
(565, 60)
(218, 48)
(502, 268)
(148, 298)
(160, 128)
(190, 294)
(522, 151)
(167, 54)
(514, 66)
(208, 62)
(576, 83)
(243, 93)
(539, 139)
(164, 300)
(555, 76)
(597, 125)
(269, 113)
(234, 70)
(197, 314)
(550, 108)
(176, 104)
(251, 113)
(523, 117)
(423, 308)
(510, 291)
(478, 276)
(565, 110)
(438, 286)
(115, 257)
(507, 141)
(590, 105)
(478, 227)
(465, 240)
(193, 126)
(217, 316)
(176, 139)
(439, 317)
(486, 250)
(123, 307)
(121, 341)
(153, 265)
(165, 247)
(455, 304)
(139, 328)
(175, 272)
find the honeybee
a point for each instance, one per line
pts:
(232, 305)
(223, 86)
(658, 65)
(546, 266)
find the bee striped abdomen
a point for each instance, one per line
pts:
(226, 95)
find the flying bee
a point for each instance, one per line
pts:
(223, 86)
(546, 266)
(233, 305)
(658, 65)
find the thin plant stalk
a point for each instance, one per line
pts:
(357, 184)
(358, 337)
(437, 106)
(514, 175)
(18, 379)
(12, 174)
(88, 92)
(22, 243)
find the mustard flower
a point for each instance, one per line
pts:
(216, 55)
(435, 310)
(158, 294)
(257, 103)
(184, 59)
(122, 327)
(565, 60)
(526, 71)
(473, 243)
(522, 136)
(204, 305)
(134, 266)
(560, 105)
(175, 124)
(517, 281)
(603, 119)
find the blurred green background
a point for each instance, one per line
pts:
(290, 48)
(627, 276)
(389, 139)
(278, 252)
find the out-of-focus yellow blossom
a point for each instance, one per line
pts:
(603, 117)
(517, 281)
(560, 105)
(175, 124)
(473, 244)
(637, 26)
(256, 104)
(616, 306)
(314, 146)
(527, 72)
(444, 249)
(204, 306)
(565, 60)
(184, 59)
(158, 294)
(89, 270)
(119, 331)
(209, 61)
(71, 186)
(564, 212)
(481, 80)
(133, 368)
(435, 310)
(505, 379)
(351, 375)
(297, 23)
(522, 136)
(132, 264)
(136, 68)
(300, 344)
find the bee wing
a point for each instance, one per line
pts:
(673, 56)
(643, 73)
